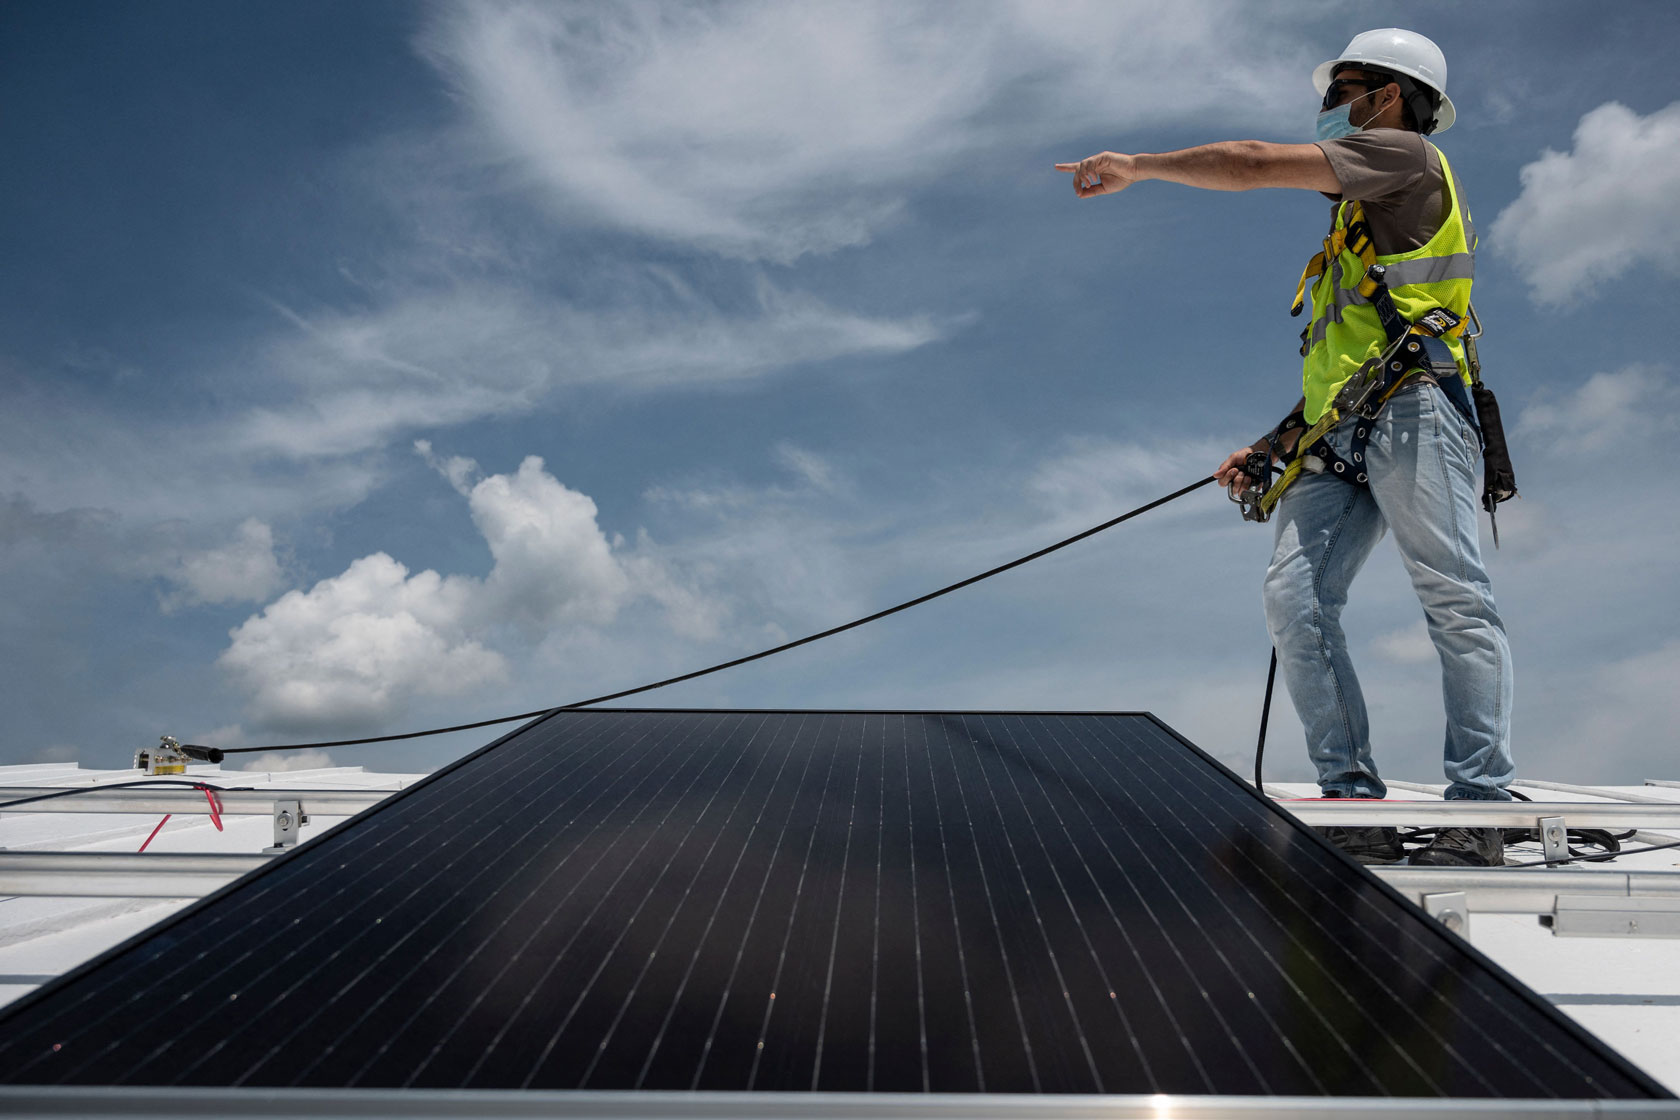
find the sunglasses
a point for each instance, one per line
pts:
(1333, 93)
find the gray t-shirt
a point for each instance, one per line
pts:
(1397, 175)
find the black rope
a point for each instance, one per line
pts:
(213, 752)
(73, 790)
(1265, 717)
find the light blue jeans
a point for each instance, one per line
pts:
(1422, 466)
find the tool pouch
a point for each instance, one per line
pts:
(1499, 480)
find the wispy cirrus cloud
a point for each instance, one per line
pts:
(428, 360)
(769, 131)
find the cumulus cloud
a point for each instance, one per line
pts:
(769, 130)
(354, 648)
(1608, 408)
(1587, 216)
(244, 570)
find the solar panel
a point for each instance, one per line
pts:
(832, 901)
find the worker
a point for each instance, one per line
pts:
(1414, 460)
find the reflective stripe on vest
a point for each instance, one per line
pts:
(1345, 329)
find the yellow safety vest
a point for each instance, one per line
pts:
(1345, 330)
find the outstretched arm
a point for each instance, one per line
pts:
(1231, 165)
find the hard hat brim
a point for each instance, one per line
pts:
(1444, 116)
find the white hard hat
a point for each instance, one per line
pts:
(1402, 52)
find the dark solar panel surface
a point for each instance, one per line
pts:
(805, 900)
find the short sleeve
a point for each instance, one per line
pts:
(1381, 166)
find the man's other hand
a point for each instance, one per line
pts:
(1103, 173)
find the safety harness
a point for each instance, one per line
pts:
(1415, 350)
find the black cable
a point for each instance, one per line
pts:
(1265, 715)
(829, 633)
(73, 790)
(1578, 859)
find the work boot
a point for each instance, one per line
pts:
(1463, 847)
(1365, 843)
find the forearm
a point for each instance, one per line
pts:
(1285, 440)
(1241, 165)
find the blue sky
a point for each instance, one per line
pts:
(375, 366)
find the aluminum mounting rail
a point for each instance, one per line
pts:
(122, 874)
(181, 799)
(1483, 814)
(1526, 890)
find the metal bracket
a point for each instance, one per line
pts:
(1554, 838)
(289, 817)
(1451, 909)
(1575, 916)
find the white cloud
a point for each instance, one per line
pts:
(244, 570)
(1408, 646)
(770, 130)
(1611, 408)
(434, 359)
(354, 648)
(1587, 216)
(351, 649)
(290, 760)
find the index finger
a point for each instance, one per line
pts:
(1067, 167)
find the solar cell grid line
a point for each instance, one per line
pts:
(433, 1029)
(688, 888)
(769, 1000)
(1256, 953)
(1429, 990)
(1401, 1006)
(399, 983)
(437, 1018)
(1025, 883)
(1492, 980)
(915, 911)
(159, 989)
(677, 998)
(475, 864)
(875, 928)
(523, 1036)
(1402, 922)
(524, 876)
(1180, 887)
(958, 846)
(649, 958)
(840, 914)
(1123, 931)
(948, 935)
(997, 931)
(560, 1068)
(1106, 982)
(724, 997)
(1200, 1025)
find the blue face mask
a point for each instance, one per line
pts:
(1333, 124)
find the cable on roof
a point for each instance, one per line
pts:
(1598, 858)
(215, 754)
(74, 790)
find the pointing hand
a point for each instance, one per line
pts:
(1103, 173)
